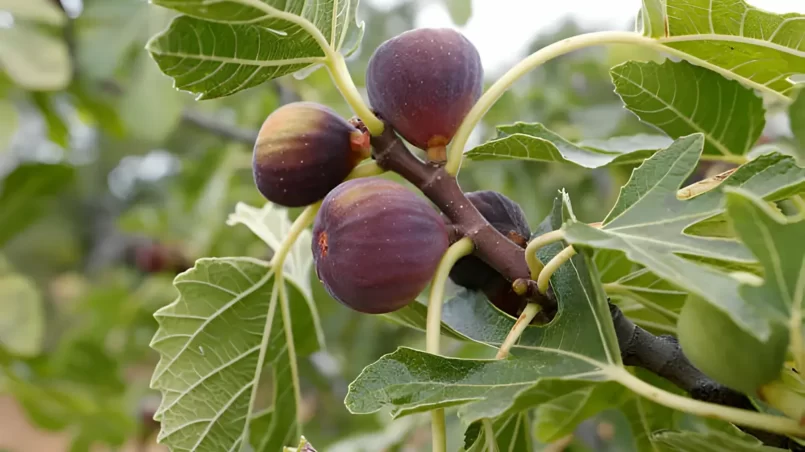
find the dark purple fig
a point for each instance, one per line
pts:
(509, 219)
(303, 151)
(376, 244)
(424, 82)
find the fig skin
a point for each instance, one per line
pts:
(303, 151)
(509, 219)
(424, 82)
(725, 352)
(376, 244)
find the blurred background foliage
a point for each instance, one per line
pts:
(112, 182)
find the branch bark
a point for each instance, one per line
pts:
(442, 189)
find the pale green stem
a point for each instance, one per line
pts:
(775, 424)
(528, 314)
(291, 344)
(434, 325)
(525, 66)
(456, 251)
(489, 433)
(737, 159)
(367, 169)
(302, 222)
(438, 430)
(799, 201)
(534, 264)
(544, 279)
(343, 81)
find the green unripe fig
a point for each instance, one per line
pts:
(725, 352)
(303, 151)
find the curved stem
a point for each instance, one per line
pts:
(434, 325)
(534, 264)
(343, 81)
(434, 321)
(544, 279)
(531, 62)
(302, 222)
(530, 311)
(776, 424)
(367, 169)
(489, 433)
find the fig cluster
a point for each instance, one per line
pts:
(376, 245)
(303, 151)
(424, 82)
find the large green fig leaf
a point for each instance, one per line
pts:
(649, 223)
(219, 48)
(232, 318)
(730, 116)
(758, 48)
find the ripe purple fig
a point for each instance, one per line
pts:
(303, 151)
(509, 219)
(424, 82)
(376, 244)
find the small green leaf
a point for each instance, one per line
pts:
(648, 223)
(730, 116)
(221, 48)
(34, 59)
(107, 31)
(24, 195)
(535, 142)
(760, 49)
(22, 323)
(42, 11)
(708, 442)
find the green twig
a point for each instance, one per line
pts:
(544, 279)
(456, 251)
(530, 311)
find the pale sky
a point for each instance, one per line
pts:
(501, 29)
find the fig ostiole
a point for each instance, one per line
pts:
(303, 151)
(509, 219)
(727, 353)
(424, 82)
(376, 245)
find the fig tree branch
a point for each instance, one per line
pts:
(216, 127)
(442, 189)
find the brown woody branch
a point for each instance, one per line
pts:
(442, 189)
